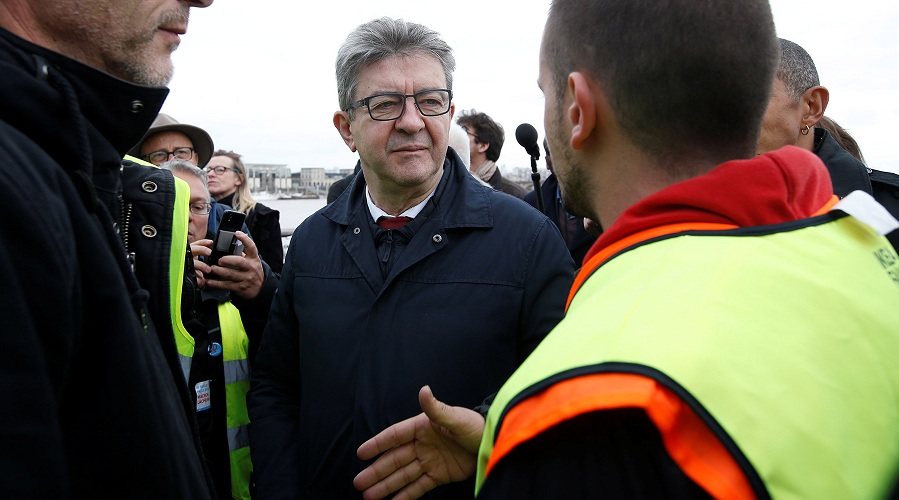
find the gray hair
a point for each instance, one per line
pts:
(796, 70)
(383, 38)
(175, 165)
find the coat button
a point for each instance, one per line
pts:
(357, 231)
(137, 106)
(437, 238)
(149, 187)
(148, 231)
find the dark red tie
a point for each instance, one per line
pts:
(393, 222)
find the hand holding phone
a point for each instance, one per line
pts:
(225, 243)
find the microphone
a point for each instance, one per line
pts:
(526, 135)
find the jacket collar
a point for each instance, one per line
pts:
(119, 111)
(461, 201)
(847, 173)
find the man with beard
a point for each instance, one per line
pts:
(732, 333)
(96, 404)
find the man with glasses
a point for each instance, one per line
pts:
(416, 274)
(225, 331)
(168, 139)
(486, 139)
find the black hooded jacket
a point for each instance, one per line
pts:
(94, 405)
(849, 174)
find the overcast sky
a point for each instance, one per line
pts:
(259, 76)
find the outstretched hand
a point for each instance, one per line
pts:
(436, 447)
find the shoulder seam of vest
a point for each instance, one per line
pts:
(752, 231)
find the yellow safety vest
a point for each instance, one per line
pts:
(778, 345)
(237, 383)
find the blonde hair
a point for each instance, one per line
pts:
(243, 199)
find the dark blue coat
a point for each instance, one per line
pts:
(484, 278)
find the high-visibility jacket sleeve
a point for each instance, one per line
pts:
(606, 454)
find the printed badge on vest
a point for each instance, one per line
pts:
(204, 397)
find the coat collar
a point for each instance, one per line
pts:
(118, 110)
(461, 200)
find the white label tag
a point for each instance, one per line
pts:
(865, 208)
(204, 397)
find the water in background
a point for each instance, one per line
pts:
(293, 213)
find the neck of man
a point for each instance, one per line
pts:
(398, 199)
(634, 176)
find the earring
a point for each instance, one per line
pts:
(805, 130)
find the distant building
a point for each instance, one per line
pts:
(268, 178)
(313, 180)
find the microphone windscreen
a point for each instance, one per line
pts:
(526, 135)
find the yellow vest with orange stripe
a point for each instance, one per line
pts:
(766, 357)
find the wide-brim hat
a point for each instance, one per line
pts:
(202, 141)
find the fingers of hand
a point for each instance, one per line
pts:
(248, 244)
(397, 470)
(397, 434)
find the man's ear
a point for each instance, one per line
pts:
(815, 100)
(342, 124)
(581, 110)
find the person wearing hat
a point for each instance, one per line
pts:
(167, 139)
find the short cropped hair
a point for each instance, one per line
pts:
(185, 166)
(486, 131)
(797, 69)
(383, 38)
(681, 76)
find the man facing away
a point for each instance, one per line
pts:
(94, 407)
(795, 116)
(486, 142)
(455, 286)
(733, 332)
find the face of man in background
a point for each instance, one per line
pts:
(167, 141)
(130, 39)
(782, 122)
(197, 223)
(407, 152)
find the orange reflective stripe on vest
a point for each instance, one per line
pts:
(689, 441)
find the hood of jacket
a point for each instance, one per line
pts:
(776, 187)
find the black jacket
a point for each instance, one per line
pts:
(848, 175)
(339, 186)
(503, 185)
(576, 237)
(92, 407)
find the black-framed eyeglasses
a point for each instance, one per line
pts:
(473, 136)
(200, 208)
(220, 170)
(390, 106)
(161, 156)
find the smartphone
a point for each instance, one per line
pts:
(225, 243)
